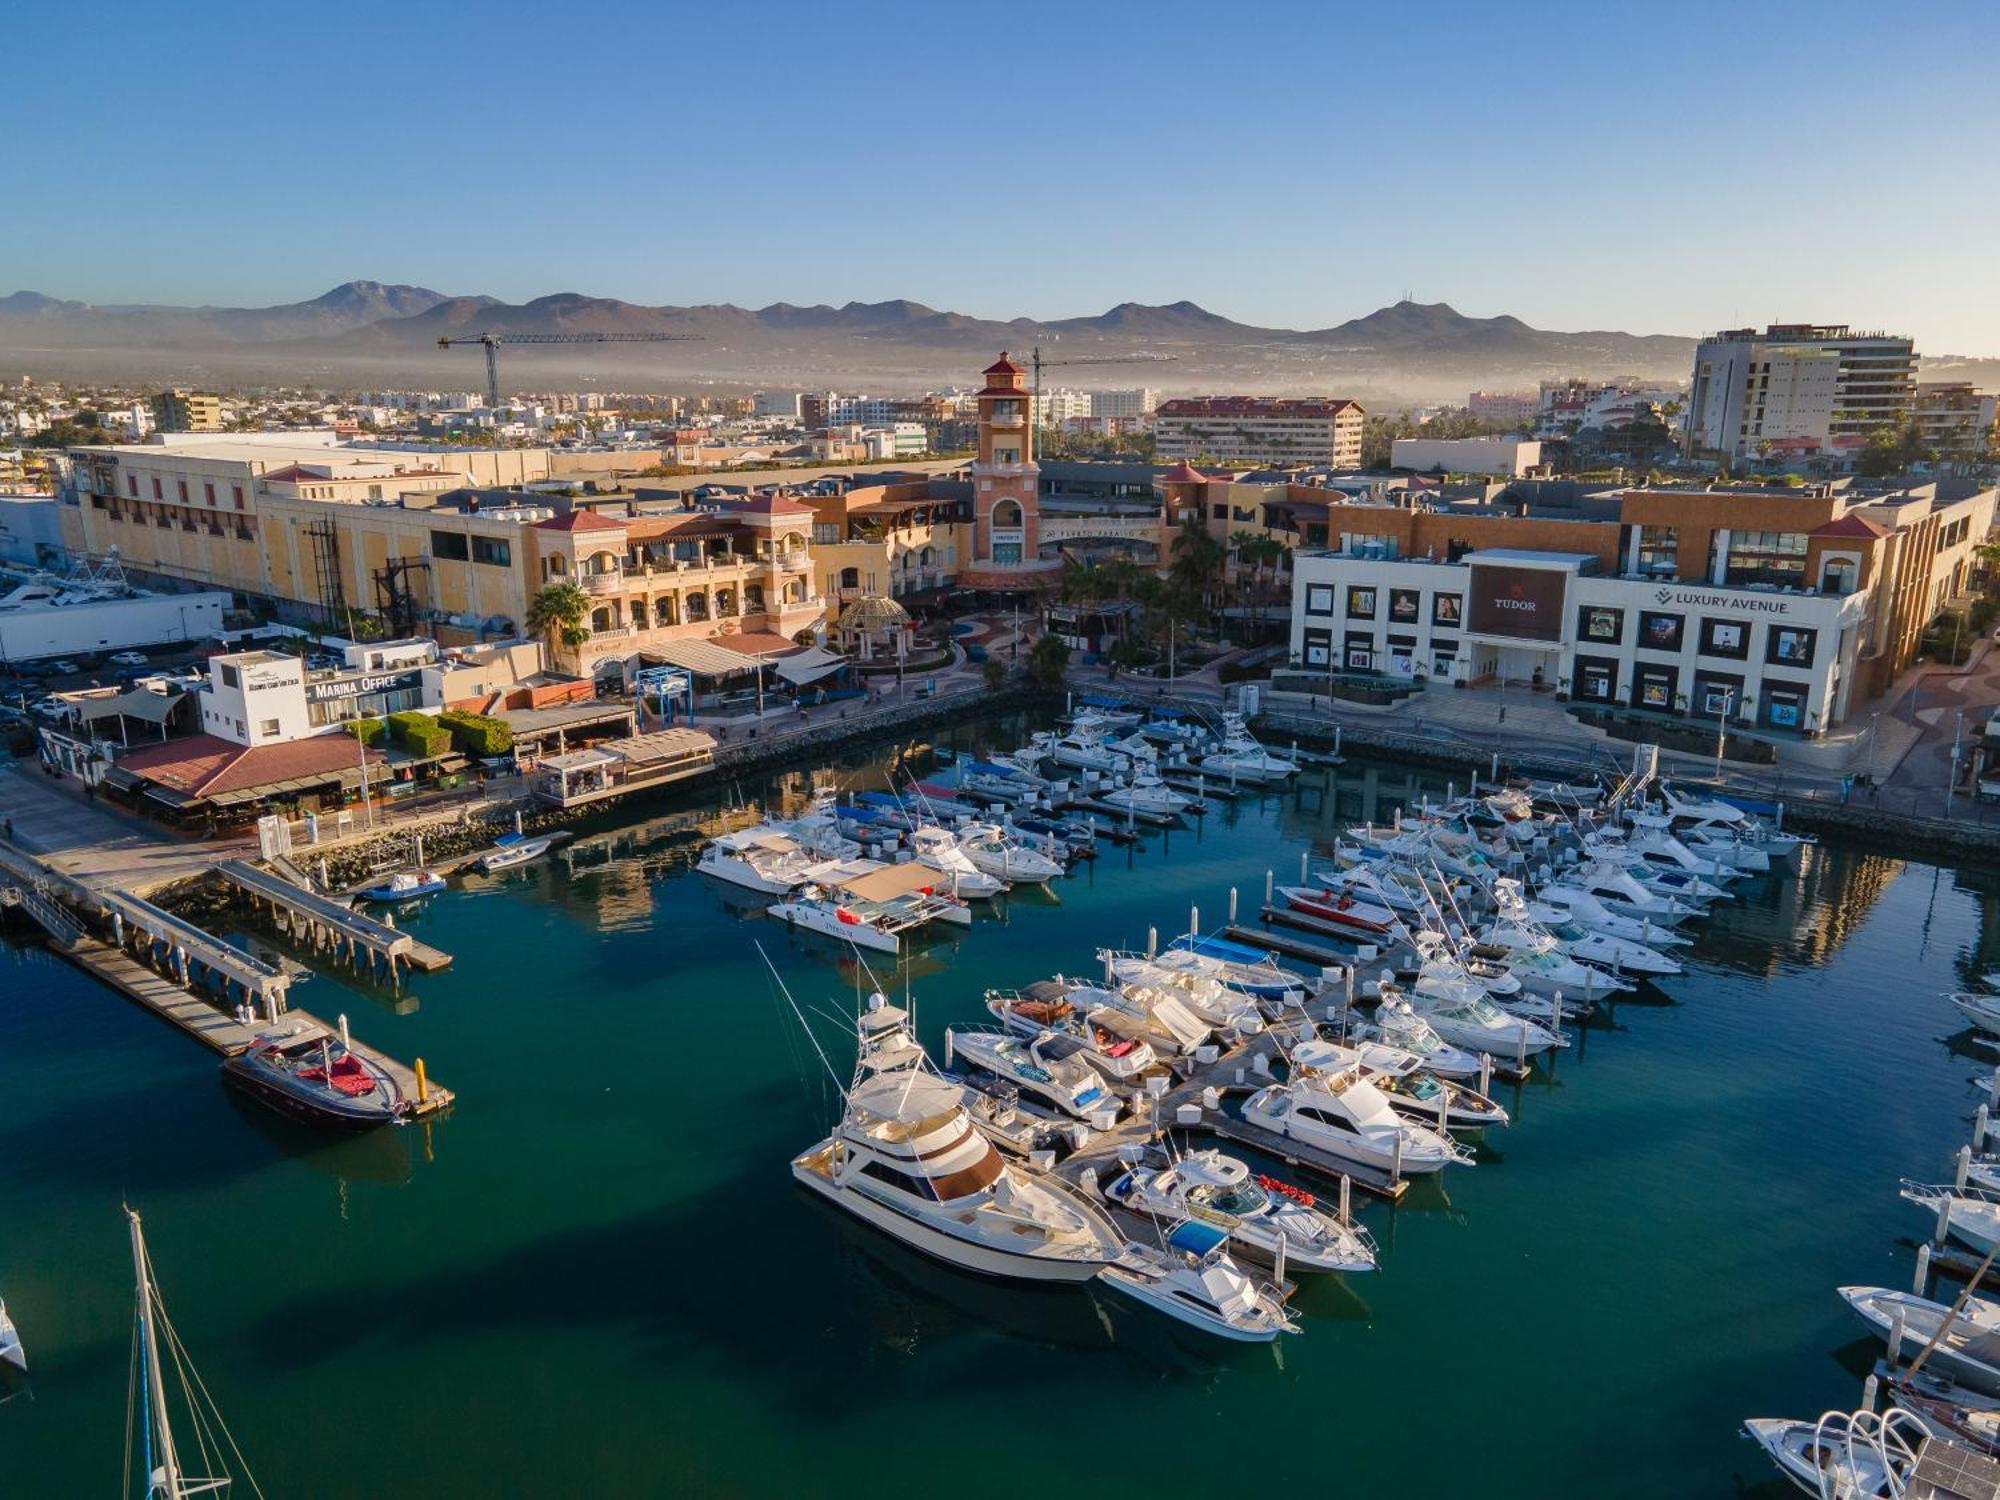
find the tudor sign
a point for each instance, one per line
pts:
(1524, 603)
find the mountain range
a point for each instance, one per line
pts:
(368, 326)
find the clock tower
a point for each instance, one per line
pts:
(1006, 492)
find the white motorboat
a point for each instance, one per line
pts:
(1515, 928)
(1080, 750)
(1663, 851)
(1966, 1350)
(1579, 905)
(907, 1158)
(1398, 1025)
(1540, 964)
(1255, 1212)
(512, 849)
(1191, 1278)
(1416, 1093)
(1442, 968)
(12, 1354)
(1614, 889)
(1136, 749)
(1355, 914)
(1600, 949)
(1169, 1026)
(1725, 846)
(1863, 1455)
(1113, 1042)
(938, 849)
(1005, 857)
(817, 829)
(1466, 1016)
(1328, 1103)
(1982, 1011)
(1379, 883)
(1212, 1002)
(760, 859)
(1146, 793)
(1684, 804)
(1239, 757)
(1968, 1215)
(1252, 971)
(1047, 1067)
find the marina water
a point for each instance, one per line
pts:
(596, 1276)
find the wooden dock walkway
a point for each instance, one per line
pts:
(1288, 946)
(324, 922)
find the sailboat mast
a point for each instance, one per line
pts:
(165, 1479)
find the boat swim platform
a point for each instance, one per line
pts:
(219, 1031)
(326, 923)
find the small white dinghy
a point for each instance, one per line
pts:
(1191, 1278)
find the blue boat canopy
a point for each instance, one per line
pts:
(1196, 1239)
(1103, 700)
(987, 768)
(1215, 947)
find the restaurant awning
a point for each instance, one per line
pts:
(703, 658)
(809, 665)
(136, 703)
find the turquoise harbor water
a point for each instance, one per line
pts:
(597, 1277)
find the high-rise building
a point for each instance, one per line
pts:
(1798, 388)
(1956, 420)
(1256, 431)
(1054, 408)
(185, 411)
(1138, 402)
(1510, 407)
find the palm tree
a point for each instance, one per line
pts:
(1198, 559)
(560, 614)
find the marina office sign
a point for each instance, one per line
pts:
(356, 687)
(1753, 604)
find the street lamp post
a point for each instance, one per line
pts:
(1722, 729)
(1951, 786)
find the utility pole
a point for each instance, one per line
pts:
(1722, 729)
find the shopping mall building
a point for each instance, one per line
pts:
(1786, 608)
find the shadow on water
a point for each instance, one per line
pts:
(175, 1152)
(382, 1155)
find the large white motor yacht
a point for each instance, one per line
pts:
(908, 1159)
(1330, 1104)
(1190, 1277)
(760, 859)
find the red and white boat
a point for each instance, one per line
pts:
(1342, 908)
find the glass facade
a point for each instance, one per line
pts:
(1777, 557)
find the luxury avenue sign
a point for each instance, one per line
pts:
(1754, 604)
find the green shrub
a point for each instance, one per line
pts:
(419, 732)
(478, 734)
(368, 731)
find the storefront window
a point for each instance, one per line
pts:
(1777, 557)
(1790, 646)
(1725, 638)
(1361, 603)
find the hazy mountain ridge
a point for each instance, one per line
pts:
(351, 305)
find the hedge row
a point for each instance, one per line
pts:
(477, 734)
(368, 731)
(419, 732)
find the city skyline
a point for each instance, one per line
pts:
(1582, 173)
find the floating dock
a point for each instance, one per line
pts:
(1290, 947)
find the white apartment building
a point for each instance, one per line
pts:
(1259, 431)
(1508, 457)
(1509, 407)
(1124, 405)
(783, 405)
(1798, 389)
(1057, 407)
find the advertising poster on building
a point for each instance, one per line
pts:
(1404, 605)
(1525, 604)
(1446, 609)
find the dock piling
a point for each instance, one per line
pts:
(1923, 1270)
(1346, 1199)
(1943, 1218)
(1964, 1168)
(1396, 1158)
(423, 1084)
(1895, 1338)
(1485, 1072)
(1979, 1119)
(346, 1039)
(1270, 886)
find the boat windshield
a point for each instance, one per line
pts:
(1240, 1200)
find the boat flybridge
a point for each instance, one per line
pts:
(938, 849)
(1248, 970)
(1190, 1277)
(1460, 1011)
(1329, 1103)
(1211, 1001)
(908, 1159)
(1169, 1026)
(1416, 1093)
(1146, 793)
(761, 859)
(1256, 1212)
(1081, 750)
(1395, 1023)
(1005, 857)
(1579, 905)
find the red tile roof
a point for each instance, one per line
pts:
(580, 520)
(771, 505)
(1184, 473)
(1853, 526)
(207, 765)
(1002, 366)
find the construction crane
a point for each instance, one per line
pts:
(1036, 360)
(493, 341)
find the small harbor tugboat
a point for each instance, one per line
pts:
(312, 1074)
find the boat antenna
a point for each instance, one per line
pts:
(803, 1023)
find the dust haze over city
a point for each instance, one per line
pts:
(974, 751)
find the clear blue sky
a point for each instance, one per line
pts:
(1657, 168)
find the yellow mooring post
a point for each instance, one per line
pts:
(423, 1084)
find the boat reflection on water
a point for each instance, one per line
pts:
(380, 1157)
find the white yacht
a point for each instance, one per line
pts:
(1579, 905)
(1255, 1212)
(907, 1158)
(1212, 1002)
(1046, 1067)
(1113, 1042)
(1416, 1093)
(1169, 1026)
(1969, 1215)
(817, 829)
(1328, 1103)
(760, 859)
(1146, 793)
(1240, 758)
(1395, 1023)
(1982, 1011)
(1966, 1349)
(1005, 857)
(1466, 1017)
(1191, 1278)
(1081, 750)
(11, 1353)
(938, 849)
(1600, 949)
(1614, 889)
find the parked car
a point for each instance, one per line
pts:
(64, 668)
(128, 658)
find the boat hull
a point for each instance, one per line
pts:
(269, 1090)
(953, 1251)
(1139, 1289)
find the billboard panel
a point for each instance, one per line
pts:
(1525, 604)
